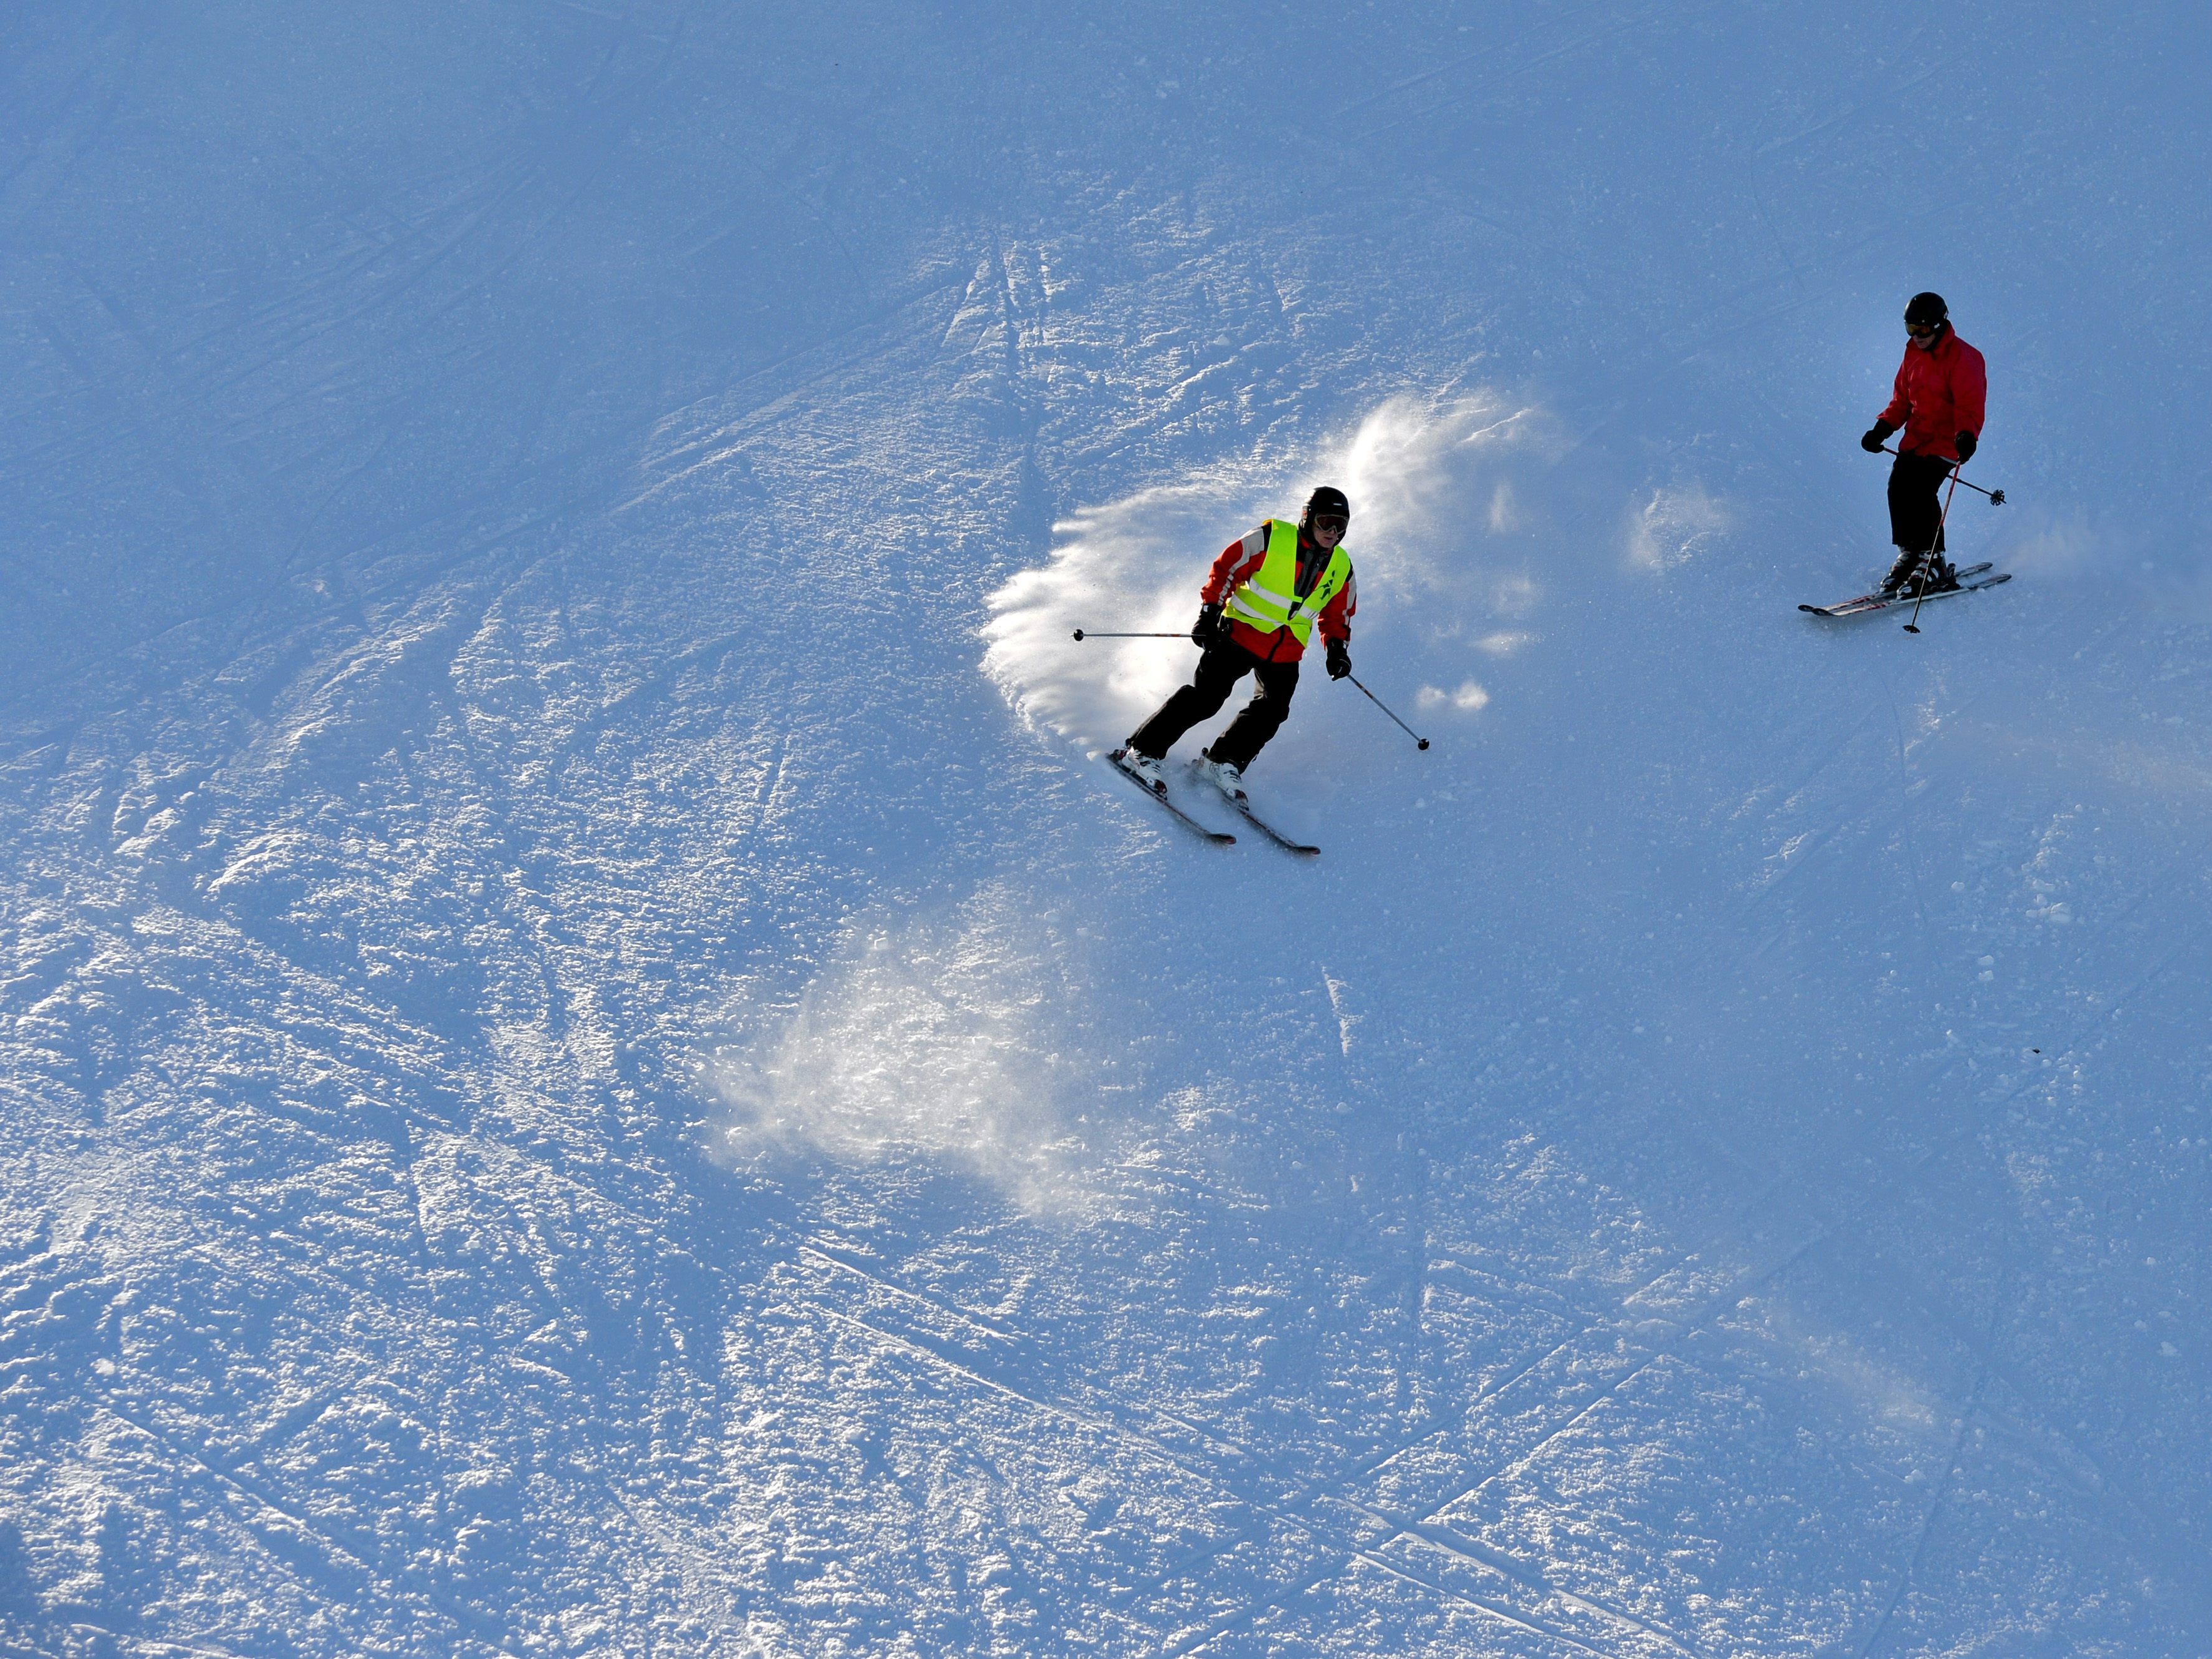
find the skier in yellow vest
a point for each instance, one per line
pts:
(1259, 608)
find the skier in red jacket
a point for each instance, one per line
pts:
(1265, 596)
(1938, 401)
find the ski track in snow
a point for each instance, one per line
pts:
(590, 1068)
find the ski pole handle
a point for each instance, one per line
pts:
(1086, 634)
(1420, 742)
(1996, 496)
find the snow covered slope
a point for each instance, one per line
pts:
(589, 1065)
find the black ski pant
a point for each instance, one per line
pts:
(1215, 677)
(1916, 505)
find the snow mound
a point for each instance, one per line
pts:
(946, 1042)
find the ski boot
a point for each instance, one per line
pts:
(1901, 576)
(1223, 776)
(1143, 767)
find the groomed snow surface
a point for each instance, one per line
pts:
(592, 1063)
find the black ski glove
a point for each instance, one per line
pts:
(1876, 436)
(1209, 630)
(1339, 659)
(1967, 445)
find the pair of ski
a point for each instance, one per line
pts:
(1219, 837)
(1971, 580)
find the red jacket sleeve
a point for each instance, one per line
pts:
(1901, 406)
(1335, 618)
(1238, 560)
(1970, 389)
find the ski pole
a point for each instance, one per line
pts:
(1996, 496)
(1420, 742)
(1931, 555)
(1086, 634)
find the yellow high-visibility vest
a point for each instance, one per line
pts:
(1265, 599)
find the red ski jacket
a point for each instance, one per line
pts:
(1938, 394)
(1241, 558)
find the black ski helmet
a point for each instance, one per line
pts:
(1926, 309)
(1327, 502)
